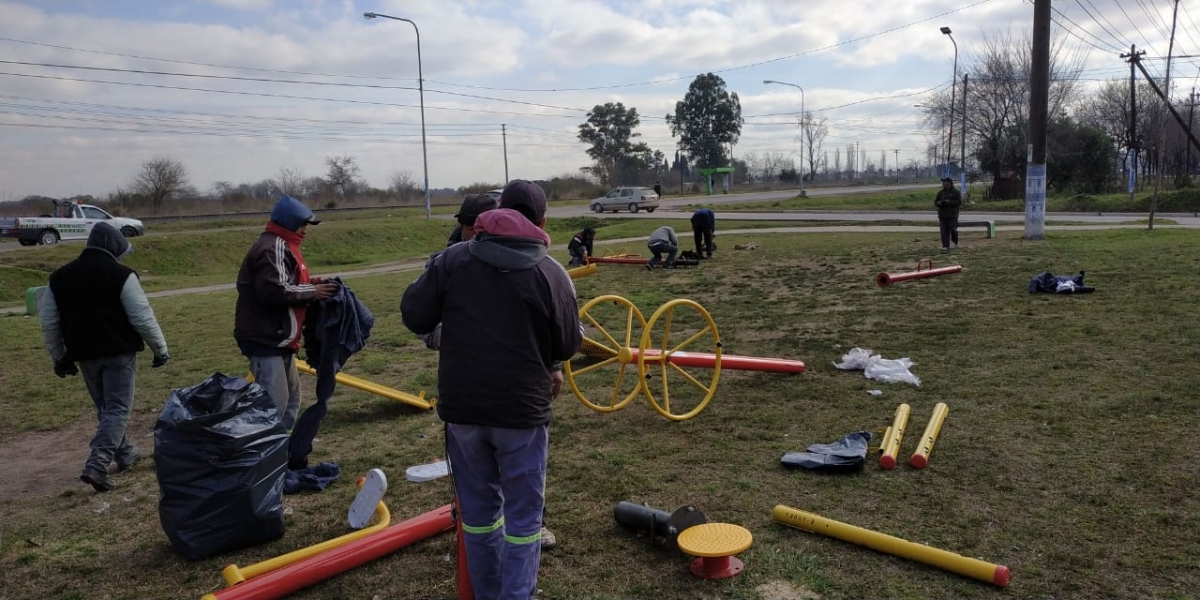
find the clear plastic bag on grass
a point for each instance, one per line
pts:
(879, 368)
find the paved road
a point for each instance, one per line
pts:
(676, 203)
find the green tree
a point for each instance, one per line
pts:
(707, 121)
(610, 131)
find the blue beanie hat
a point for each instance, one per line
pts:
(290, 213)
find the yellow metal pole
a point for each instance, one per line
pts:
(584, 271)
(374, 388)
(920, 458)
(892, 438)
(234, 575)
(970, 567)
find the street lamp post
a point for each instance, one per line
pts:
(953, 81)
(421, 91)
(803, 127)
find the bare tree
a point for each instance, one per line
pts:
(289, 180)
(403, 184)
(160, 179)
(812, 136)
(998, 99)
(343, 173)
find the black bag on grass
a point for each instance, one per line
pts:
(220, 454)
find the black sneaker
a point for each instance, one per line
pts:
(668, 267)
(124, 465)
(649, 267)
(97, 480)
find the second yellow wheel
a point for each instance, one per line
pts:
(680, 340)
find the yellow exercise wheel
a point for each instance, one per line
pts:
(605, 378)
(680, 343)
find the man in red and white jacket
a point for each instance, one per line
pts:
(274, 289)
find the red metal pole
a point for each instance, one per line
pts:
(728, 361)
(466, 591)
(301, 574)
(886, 279)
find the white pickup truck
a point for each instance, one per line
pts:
(70, 221)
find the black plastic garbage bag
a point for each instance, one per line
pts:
(220, 453)
(845, 455)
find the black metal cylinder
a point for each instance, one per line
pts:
(642, 519)
(659, 525)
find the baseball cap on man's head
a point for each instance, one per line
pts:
(473, 206)
(947, 179)
(525, 197)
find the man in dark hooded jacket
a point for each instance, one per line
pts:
(496, 379)
(274, 289)
(95, 313)
(948, 202)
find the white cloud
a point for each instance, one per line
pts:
(588, 50)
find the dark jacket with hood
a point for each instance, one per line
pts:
(95, 306)
(269, 314)
(508, 313)
(948, 201)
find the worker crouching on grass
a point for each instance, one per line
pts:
(582, 247)
(95, 313)
(508, 314)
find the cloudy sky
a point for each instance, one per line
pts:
(238, 89)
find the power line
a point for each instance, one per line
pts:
(284, 81)
(288, 96)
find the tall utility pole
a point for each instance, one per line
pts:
(1162, 139)
(1191, 113)
(962, 166)
(504, 135)
(1133, 141)
(1039, 100)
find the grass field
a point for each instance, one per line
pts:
(202, 255)
(1064, 455)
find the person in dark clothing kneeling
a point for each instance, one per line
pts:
(581, 247)
(497, 378)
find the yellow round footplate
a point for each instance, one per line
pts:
(715, 539)
(680, 342)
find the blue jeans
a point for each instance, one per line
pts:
(663, 248)
(110, 381)
(500, 476)
(277, 375)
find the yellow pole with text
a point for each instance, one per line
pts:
(892, 438)
(956, 563)
(920, 458)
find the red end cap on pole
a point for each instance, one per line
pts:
(883, 279)
(887, 461)
(1000, 577)
(918, 461)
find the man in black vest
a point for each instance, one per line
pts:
(95, 313)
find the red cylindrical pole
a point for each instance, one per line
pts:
(885, 279)
(466, 591)
(728, 361)
(301, 574)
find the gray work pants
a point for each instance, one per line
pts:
(110, 381)
(278, 376)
